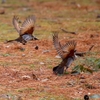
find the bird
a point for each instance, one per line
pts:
(26, 30)
(66, 52)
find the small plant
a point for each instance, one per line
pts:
(32, 66)
(89, 86)
(93, 63)
(25, 89)
(6, 55)
(54, 98)
(81, 68)
(87, 65)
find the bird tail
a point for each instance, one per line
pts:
(34, 38)
(19, 39)
(58, 70)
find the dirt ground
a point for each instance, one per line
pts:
(25, 72)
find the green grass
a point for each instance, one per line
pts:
(71, 19)
(88, 64)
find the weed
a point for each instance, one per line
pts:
(53, 97)
(87, 65)
(6, 55)
(32, 66)
(25, 90)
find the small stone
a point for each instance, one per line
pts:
(78, 5)
(26, 77)
(80, 92)
(57, 56)
(7, 46)
(44, 80)
(23, 55)
(89, 93)
(26, 9)
(41, 63)
(45, 51)
(36, 47)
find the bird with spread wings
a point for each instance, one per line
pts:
(66, 52)
(26, 30)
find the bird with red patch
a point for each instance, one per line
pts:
(26, 30)
(66, 52)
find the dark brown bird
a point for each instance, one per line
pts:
(25, 30)
(66, 52)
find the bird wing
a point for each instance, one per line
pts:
(69, 45)
(28, 25)
(69, 49)
(66, 50)
(16, 24)
(57, 45)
